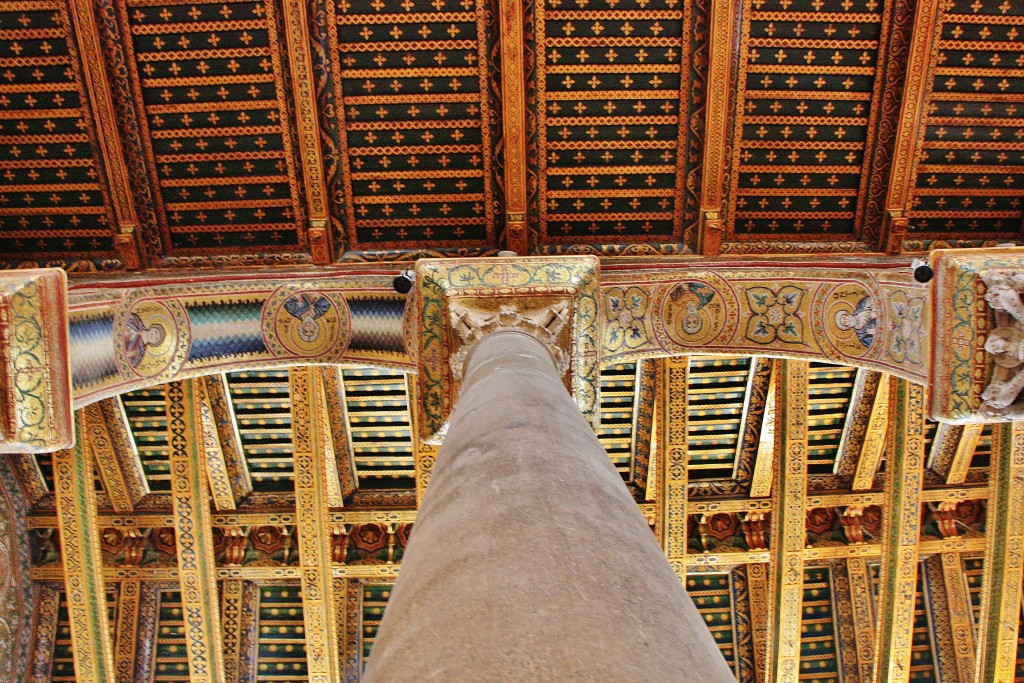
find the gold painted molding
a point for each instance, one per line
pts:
(311, 500)
(904, 475)
(788, 526)
(75, 491)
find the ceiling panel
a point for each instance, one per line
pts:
(808, 85)
(211, 83)
(618, 121)
(819, 660)
(718, 395)
(971, 173)
(52, 193)
(411, 95)
(282, 642)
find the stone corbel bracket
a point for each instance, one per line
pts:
(977, 366)
(35, 363)
(460, 301)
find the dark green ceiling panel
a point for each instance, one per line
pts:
(52, 188)
(971, 172)
(282, 640)
(620, 91)
(808, 82)
(212, 84)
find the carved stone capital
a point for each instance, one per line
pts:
(977, 372)
(459, 302)
(544, 324)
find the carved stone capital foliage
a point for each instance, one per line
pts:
(458, 302)
(544, 324)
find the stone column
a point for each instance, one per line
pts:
(529, 560)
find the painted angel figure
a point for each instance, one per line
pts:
(308, 309)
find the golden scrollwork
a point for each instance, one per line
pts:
(193, 534)
(788, 530)
(904, 477)
(311, 494)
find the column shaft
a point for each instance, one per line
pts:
(529, 560)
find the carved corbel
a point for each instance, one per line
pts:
(390, 528)
(702, 532)
(754, 530)
(339, 543)
(235, 540)
(944, 514)
(319, 244)
(126, 242)
(135, 543)
(851, 521)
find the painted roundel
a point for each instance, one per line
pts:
(695, 312)
(850, 316)
(152, 339)
(306, 323)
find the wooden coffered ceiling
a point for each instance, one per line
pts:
(162, 133)
(149, 134)
(738, 411)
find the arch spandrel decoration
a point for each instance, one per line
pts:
(862, 312)
(865, 312)
(127, 339)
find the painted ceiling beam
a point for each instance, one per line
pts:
(349, 516)
(965, 447)
(758, 575)
(127, 241)
(193, 530)
(345, 462)
(513, 95)
(910, 132)
(219, 414)
(115, 454)
(296, 29)
(1003, 569)
(127, 630)
(47, 608)
(311, 493)
(216, 467)
(873, 447)
(958, 608)
(904, 474)
(764, 462)
(712, 220)
(674, 465)
(239, 607)
(82, 558)
(862, 613)
(788, 525)
(322, 415)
